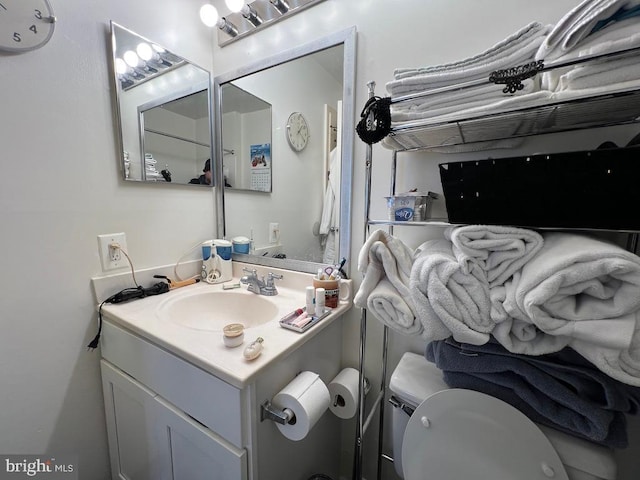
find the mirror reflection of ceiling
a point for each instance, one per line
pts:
(246, 135)
(164, 113)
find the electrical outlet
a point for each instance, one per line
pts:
(111, 257)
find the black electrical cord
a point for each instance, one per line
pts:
(124, 296)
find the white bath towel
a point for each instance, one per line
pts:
(520, 335)
(579, 287)
(445, 296)
(517, 49)
(384, 257)
(391, 309)
(620, 363)
(516, 42)
(498, 251)
(621, 36)
(455, 101)
(468, 111)
(577, 24)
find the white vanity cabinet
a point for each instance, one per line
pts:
(168, 418)
(152, 438)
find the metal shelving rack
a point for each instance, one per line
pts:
(607, 109)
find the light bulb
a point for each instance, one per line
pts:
(131, 58)
(121, 66)
(144, 51)
(209, 15)
(235, 5)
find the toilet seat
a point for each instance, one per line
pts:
(493, 440)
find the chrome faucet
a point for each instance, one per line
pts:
(260, 286)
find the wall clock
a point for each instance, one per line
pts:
(297, 131)
(25, 24)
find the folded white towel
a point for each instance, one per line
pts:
(602, 75)
(497, 251)
(444, 295)
(384, 257)
(455, 101)
(623, 364)
(620, 36)
(462, 112)
(577, 24)
(520, 335)
(516, 49)
(579, 287)
(437, 140)
(391, 309)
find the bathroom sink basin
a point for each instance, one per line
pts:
(211, 311)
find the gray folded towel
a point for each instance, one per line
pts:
(561, 390)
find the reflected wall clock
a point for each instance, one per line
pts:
(297, 131)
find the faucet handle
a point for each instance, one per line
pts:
(251, 271)
(273, 276)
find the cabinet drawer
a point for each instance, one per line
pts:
(209, 400)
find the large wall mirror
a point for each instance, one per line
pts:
(163, 108)
(303, 221)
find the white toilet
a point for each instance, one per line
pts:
(456, 434)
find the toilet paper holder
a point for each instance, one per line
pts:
(269, 412)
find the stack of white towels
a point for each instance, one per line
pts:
(150, 169)
(594, 27)
(535, 294)
(520, 48)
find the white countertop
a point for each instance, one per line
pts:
(205, 348)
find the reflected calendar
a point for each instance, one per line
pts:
(261, 167)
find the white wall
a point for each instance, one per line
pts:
(409, 33)
(60, 187)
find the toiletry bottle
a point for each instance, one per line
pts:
(311, 307)
(320, 298)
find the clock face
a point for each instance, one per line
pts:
(25, 24)
(297, 131)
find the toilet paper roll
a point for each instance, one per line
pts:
(344, 393)
(308, 398)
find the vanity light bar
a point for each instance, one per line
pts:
(257, 15)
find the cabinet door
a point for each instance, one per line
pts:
(129, 414)
(150, 439)
(193, 452)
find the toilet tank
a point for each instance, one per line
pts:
(415, 378)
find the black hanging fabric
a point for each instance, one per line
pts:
(375, 122)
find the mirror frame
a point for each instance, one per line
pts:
(347, 38)
(117, 98)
